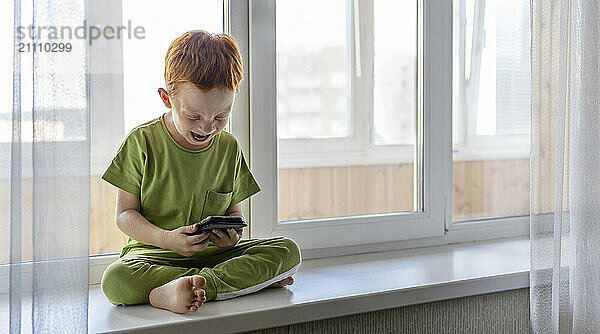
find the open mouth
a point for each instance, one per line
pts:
(199, 138)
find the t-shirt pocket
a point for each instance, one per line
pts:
(215, 203)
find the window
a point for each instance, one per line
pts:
(395, 97)
(363, 121)
(491, 110)
(341, 97)
(348, 155)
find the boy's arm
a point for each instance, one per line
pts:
(234, 210)
(131, 222)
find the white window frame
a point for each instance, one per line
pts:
(364, 229)
(236, 24)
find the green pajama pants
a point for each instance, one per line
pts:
(247, 267)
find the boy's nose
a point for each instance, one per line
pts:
(206, 128)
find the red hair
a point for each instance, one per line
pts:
(204, 60)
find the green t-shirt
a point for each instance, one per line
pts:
(177, 186)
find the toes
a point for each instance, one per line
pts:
(199, 296)
(282, 283)
(193, 308)
(198, 302)
(198, 281)
(199, 293)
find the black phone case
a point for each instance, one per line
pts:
(221, 222)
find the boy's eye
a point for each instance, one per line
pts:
(197, 118)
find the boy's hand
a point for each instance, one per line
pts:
(225, 239)
(180, 241)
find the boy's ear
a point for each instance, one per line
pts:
(164, 97)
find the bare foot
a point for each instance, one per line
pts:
(181, 295)
(282, 283)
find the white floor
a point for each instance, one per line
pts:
(336, 286)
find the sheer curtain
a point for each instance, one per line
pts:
(45, 160)
(565, 167)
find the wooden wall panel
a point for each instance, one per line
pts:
(482, 189)
(490, 189)
(105, 236)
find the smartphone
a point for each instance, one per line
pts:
(221, 222)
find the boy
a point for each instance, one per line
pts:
(178, 169)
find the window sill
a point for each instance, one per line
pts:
(339, 286)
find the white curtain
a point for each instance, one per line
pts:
(565, 166)
(45, 175)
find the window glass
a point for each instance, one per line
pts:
(312, 69)
(331, 154)
(492, 116)
(395, 72)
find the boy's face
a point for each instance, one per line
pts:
(198, 116)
